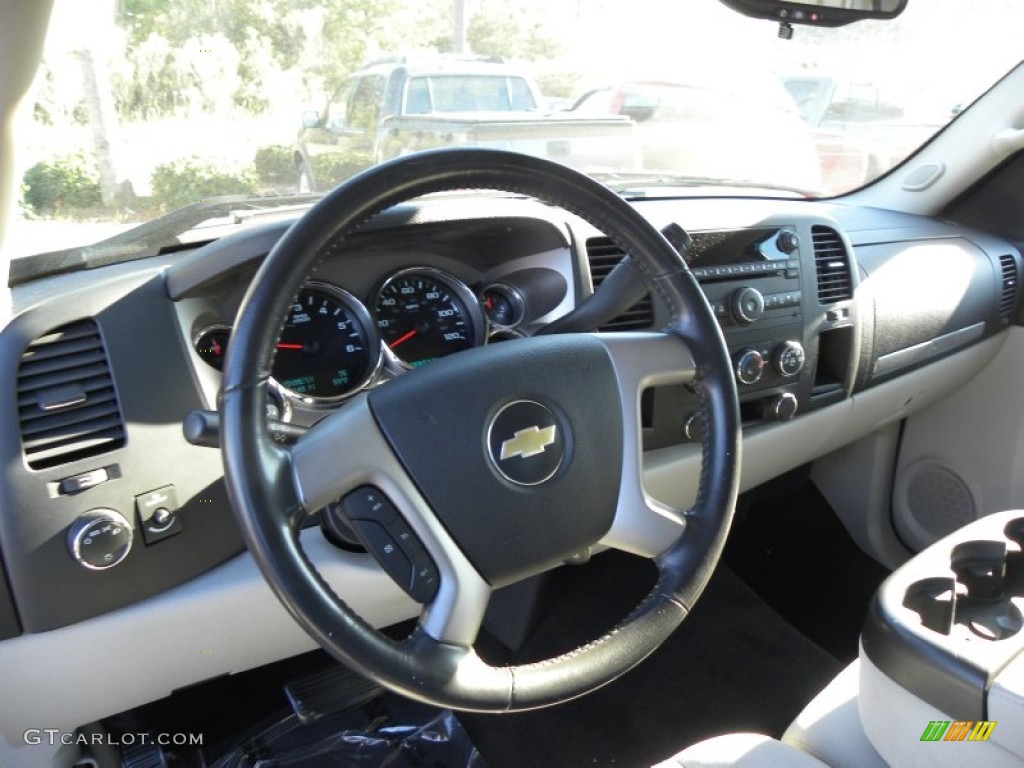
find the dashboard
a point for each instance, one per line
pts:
(113, 525)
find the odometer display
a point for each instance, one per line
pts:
(327, 349)
(424, 314)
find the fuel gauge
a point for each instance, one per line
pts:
(503, 305)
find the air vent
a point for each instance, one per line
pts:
(67, 405)
(832, 264)
(603, 255)
(1008, 284)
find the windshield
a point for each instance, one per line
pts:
(144, 107)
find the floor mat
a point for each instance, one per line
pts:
(733, 665)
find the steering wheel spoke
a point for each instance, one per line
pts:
(345, 456)
(643, 525)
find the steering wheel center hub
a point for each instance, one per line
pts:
(522, 468)
(526, 442)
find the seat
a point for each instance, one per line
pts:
(741, 750)
(828, 732)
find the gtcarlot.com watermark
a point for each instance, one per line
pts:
(54, 736)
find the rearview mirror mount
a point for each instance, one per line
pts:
(820, 13)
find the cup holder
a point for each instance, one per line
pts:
(992, 621)
(978, 597)
(945, 624)
(1014, 531)
(981, 567)
(934, 600)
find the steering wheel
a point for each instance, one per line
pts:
(494, 464)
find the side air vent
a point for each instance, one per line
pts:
(832, 263)
(1008, 286)
(67, 405)
(603, 255)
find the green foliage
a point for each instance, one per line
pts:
(333, 168)
(251, 38)
(161, 82)
(239, 21)
(514, 37)
(563, 85)
(352, 32)
(274, 164)
(64, 184)
(192, 180)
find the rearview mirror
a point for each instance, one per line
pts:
(822, 13)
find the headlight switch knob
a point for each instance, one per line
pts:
(100, 539)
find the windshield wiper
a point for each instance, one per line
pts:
(154, 236)
(636, 184)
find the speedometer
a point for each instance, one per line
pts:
(423, 314)
(328, 348)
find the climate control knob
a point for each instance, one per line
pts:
(788, 358)
(747, 305)
(100, 539)
(748, 365)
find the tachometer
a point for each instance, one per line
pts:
(328, 348)
(423, 314)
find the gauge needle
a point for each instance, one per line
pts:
(402, 338)
(290, 346)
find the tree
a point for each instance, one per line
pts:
(513, 37)
(325, 40)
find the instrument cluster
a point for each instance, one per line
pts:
(333, 344)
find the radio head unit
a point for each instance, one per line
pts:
(726, 254)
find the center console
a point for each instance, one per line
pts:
(946, 628)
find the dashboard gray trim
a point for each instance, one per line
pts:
(924, 351)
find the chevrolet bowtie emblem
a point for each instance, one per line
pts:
(528, 442)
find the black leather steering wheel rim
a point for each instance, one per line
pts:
(259, 472)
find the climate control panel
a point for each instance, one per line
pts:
(751, 364)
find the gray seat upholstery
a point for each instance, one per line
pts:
(828, 732)
(741, 750)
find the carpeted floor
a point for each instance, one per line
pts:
(734, 665)
(789, 546)
(749, 657)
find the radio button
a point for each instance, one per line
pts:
(747, 305)
(787, 241)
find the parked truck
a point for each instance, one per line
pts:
(859, 132)
(397, 106)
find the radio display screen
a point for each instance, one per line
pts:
(755, 245)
